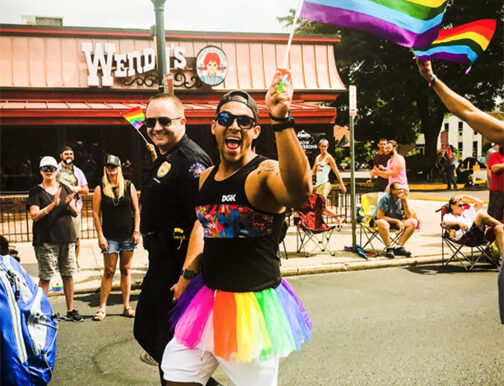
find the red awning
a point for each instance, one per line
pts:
(60, 112)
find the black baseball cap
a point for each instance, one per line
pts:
(242, 97)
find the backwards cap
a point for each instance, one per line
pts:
(242, 97)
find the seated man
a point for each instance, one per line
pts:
(472, 222)
(393, 211)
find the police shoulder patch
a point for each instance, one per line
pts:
(196, 169)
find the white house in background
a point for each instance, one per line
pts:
(460, 135)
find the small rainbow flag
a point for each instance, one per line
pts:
(462, 44)
(135, 116)
(408, 23)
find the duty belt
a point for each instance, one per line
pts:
(173, 233)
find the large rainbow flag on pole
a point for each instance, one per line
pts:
(462, 44)
(135, 116)
(408, 23)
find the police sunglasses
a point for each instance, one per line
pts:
(244, 121)
(48, 168)
(163, 121)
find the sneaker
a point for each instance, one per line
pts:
(74, 316)
(389, 253)
(401, 251)
(145, 357)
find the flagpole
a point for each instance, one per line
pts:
(141, 135)
(289, 42)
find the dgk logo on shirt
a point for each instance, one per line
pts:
(229, 198)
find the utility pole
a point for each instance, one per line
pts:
(160, 41)
(353, 112)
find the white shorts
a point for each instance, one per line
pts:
(182, 364)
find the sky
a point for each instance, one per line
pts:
(181, 15)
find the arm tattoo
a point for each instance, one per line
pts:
(268, 167)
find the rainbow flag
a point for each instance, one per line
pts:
(408, 23)
(462, 44)
(135, 116)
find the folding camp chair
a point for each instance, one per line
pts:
(459, 249)
(283, 233)
(311, 229)
(368, 227)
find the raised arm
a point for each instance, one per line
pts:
(37, 213)
(293, 184)
(488, 126)
(478, 204)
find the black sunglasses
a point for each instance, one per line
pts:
(460, 205)
(48, 168)
(163, 121)
(244, 121)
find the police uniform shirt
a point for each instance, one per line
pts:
(169, 192)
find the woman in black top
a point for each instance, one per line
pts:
(118, 235)
(51, 206)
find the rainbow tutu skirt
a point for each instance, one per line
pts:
(246, 325)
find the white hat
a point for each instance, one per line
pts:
(48, 161)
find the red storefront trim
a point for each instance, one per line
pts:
(78, 112)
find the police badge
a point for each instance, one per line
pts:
(163, 169)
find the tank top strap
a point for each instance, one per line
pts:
(252, 165)
(234, 184)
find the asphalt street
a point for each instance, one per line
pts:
(403, 326)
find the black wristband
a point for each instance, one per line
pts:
(285, 119)
(289, 124)
(188, 274)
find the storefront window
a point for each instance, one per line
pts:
(22, 149)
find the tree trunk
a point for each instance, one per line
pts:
(431, 120)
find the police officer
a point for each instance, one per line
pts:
(167, 217)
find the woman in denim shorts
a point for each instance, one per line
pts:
(118, 236)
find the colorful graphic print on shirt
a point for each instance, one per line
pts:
(233, 221)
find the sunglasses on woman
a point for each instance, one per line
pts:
(244, 121)
(163, 121)
(48, 168)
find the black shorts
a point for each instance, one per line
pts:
(474, 236)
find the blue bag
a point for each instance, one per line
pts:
(28, 328)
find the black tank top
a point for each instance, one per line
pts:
(241, 243)
(117, 215)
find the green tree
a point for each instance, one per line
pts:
(393, 100)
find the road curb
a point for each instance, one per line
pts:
(311, 270)
(359, 265)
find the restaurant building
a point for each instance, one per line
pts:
(68, 85)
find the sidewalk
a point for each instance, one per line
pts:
(425, 246)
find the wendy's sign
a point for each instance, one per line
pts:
(115, 65)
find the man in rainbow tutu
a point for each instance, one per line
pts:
(238, 312)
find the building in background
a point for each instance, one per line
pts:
(460, 135)
(68, 85)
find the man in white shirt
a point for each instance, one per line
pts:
(472, 222)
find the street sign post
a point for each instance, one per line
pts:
(353, 112)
